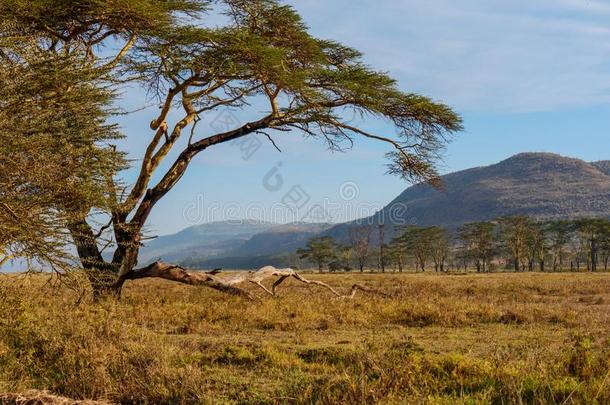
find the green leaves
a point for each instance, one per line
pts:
(56, 159)
(320, 250)
(91, 20)
(266, 50)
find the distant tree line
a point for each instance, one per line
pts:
(518, 243)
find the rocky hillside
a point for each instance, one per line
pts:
(603, 165)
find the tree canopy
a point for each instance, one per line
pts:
(321, 251)
(56, 158)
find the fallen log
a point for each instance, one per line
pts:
(230, 285)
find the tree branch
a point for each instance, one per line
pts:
(172, 176)
(178, 274)
(128, 45)
(229, 285)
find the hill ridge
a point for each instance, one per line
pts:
(540, 184)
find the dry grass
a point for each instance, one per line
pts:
(505, 338)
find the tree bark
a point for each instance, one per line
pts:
(178, 274)
(101, 275)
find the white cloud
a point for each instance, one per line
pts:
(501, 55)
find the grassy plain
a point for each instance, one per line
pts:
(494, 338)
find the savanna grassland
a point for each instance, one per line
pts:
(500, 338)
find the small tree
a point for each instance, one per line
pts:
(382, 247)
(478, 243)
(320, 251)
(439, 246)
(604, 247)
(397, 252)
(515, 232)
(343, 259)
(418, 243)
(538, 244)
(360, 239)
(592, 233)
(559, 235)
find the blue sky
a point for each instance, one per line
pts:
(525, 75)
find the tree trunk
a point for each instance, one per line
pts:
(101, 275)
(594, 254)
(382, 248)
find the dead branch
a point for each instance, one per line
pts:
(282, 275)
(229, 285)
(178, 274)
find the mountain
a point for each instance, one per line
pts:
(231, 243)
(212, 239)
(271, 247)
(603, 165)
(540, 185)
(281, 239)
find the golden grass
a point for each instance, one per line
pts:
(499, 338)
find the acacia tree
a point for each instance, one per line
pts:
(605, 247)
(397, 251)
(592, 232)
(418, 243)
(478, 243)
(320, 251)
(383, 260)
(439, 246)
(360, 239)
(559, 234)
(538, 245)
(264, 53)
(515, 232)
